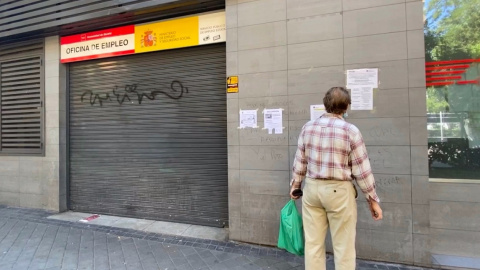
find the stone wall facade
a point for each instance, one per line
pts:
(40, 181)
(287, 54)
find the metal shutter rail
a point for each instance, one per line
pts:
(21, 99)
(163, 159)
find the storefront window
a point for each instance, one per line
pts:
(452, 53)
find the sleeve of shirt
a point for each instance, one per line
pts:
(300, 162)
(361, 169)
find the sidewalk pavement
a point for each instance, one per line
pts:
(28, 240)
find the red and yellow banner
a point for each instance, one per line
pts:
(163, 35)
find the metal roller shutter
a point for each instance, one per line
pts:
(148, 136)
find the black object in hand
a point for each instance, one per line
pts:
(297, 192)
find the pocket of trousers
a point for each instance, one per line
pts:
(334, 197)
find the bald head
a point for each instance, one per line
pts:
(336, 100)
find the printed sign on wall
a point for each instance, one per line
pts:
(98, 44)
(232, 84)
(163, 35)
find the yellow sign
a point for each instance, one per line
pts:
(180, 33)
(183, 32)
(232, 84)
(166, 35)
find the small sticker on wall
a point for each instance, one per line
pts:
(232, 84)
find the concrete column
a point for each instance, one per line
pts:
(54, 164)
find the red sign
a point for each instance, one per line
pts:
(442, 73)
(98, 44)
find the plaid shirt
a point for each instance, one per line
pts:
(331, 149)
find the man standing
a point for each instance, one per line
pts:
(331, 153)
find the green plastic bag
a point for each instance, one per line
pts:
(290, 236)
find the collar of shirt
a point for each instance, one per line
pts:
(331, 115)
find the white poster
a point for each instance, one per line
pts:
(316, 111)
(362, 78)
(248, 119)
(273, 119)
(362, 98)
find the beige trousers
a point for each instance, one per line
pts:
(329, 203)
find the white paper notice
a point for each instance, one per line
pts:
(362, 98)
(362, 78)
(248, 118)
(273, 119)
(316, 111)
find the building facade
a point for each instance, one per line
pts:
(121, 108)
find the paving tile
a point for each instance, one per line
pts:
(190, 250)
(86, 256)
(249, 266)
(196, 261)
(184, 267)
(146, 257)
(132, 223)
(8, 234)
(263, 262)
(132, 259)
(281, 266)
(179, 261)
(70, 216)
(140, 242)
(55, 257)
(100, 252)
(17, 247)
(41, 255)
(5, 266)
(209, 258)
(167, 228)
(115, 256)
(104, 220)
(206, 233)
(32, 241)
(70, 258)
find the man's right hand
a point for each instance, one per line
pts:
(294, 187)
(375, 210)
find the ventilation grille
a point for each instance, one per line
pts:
(21, 105)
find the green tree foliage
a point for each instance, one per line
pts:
(452, 29)
(436, 101)
(452, 32)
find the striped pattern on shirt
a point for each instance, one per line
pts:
(329, 148)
